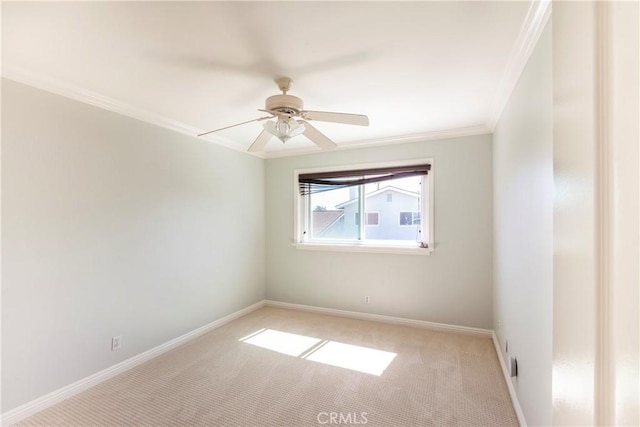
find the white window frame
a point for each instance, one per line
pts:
(301, 216)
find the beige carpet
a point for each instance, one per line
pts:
(433, 378)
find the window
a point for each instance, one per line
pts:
(371, 218)
(409, 218)
(330, 204)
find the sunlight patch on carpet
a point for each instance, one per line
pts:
(348, 356)
(282, 342)
(354, 357)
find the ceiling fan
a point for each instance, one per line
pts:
(292, 120)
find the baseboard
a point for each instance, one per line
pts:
(507, 378)
(443, 327)
(26, 410)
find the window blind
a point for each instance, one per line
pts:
(310, 183)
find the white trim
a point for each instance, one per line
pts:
(361, 207)
(507, 378)
(604, 387)
(68, 90)
(431, 208)
(77, 93)
(362, 247)
(391, 140)
(442, 327)
(23, 411)
(537, 18)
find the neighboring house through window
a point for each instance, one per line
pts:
(409, 218)
(395, 198)
(371, 218)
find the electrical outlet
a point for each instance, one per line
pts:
(366, 300)
(116, 343)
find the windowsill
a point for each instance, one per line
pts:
(363, 247)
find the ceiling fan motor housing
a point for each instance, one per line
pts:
(286, 104)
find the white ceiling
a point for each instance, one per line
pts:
(417, 69)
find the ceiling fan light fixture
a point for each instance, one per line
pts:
(285, 109)
(284, 128)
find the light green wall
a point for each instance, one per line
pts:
(452, 285)
(523, 207)
(111, 226)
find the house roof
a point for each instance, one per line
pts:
(378, 192)
(323, 220)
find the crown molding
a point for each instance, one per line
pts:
(391, 140)
(534, 23)
(77, 93)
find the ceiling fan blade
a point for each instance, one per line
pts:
(237, 124)
(260, 142)
(346, 118)
(317, 137)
